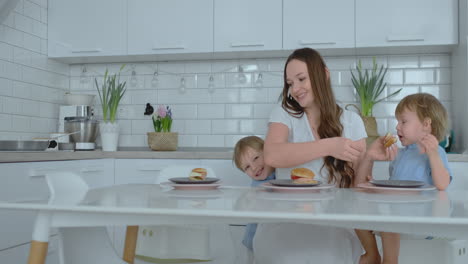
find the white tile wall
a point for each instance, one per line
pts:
(31, 86)
(234, 110)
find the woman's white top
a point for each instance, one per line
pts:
(301, 243)
(300, 131)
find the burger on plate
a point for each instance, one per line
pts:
(303, 176)
(198, 174)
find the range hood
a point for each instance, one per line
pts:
(5, 8)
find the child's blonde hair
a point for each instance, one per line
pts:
(253, 142)
(426, 106)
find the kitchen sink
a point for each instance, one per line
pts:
(23, 145)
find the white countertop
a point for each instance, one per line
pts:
(140, 153)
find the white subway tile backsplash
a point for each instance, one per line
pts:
(5, 121)
(21, 90)
(405, 91)
(32, 10)
(263, 110)
(225, 96)
(11, 36)
(21, 123)
(436, 61)
(210, 141)
(382, 127)
(6, 52)
(211, 111)
(188, 111)
(385, 109)
(226, 126)
(419, 76)
(443, 76)
(188, 141)
(239, 111)
(198, 127)
(32, 42)
(6, 87)
(141, 126)
(253, 95)
(442, 92)
(403, 62)
(394, 77)
(24, 23)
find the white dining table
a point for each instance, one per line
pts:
(431, 213)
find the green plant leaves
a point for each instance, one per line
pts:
(110, 94)
(370, 85)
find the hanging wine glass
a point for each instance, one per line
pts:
(259, 81)
(182, 88)
(133, 79)
(241, 75)
(211, 84)
(155, 80)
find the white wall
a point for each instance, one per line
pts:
(235, 110)
(31, 86)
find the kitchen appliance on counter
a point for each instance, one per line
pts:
(73, 111)
(88, 131)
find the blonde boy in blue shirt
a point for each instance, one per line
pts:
(248, 157)
(422, 122)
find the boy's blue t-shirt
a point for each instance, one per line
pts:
(410, 164)
(250, 229)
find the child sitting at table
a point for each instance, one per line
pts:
(248, 157)
(422, 122)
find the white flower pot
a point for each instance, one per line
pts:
(109, 135)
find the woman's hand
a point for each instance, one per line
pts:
(346, 149)
(377, 151)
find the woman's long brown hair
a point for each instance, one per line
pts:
(340, 172)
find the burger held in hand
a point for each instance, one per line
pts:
(389, 140)
(198, 174)
(303, 176)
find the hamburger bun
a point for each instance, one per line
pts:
(302, 175)
(389, 140)
(198, 174)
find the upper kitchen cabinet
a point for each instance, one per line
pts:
(247, 25)
(87, 28)
(318, 24)
(167, 27)
(406, 23)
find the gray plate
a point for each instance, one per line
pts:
(397, 183)
(186, 180)
(290, 183)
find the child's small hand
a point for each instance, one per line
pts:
(428, 144)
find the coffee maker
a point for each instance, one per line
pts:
(81, 119)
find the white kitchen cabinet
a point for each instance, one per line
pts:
(165, 27)
(247, 25)
(318, 24)
(87, 28)
(26, 182)
(382, 23)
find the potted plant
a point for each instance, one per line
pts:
(162, 138)
(369, 85)
(110, 93)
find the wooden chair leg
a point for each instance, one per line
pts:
(38, 252)
(130, 244)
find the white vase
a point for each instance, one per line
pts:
(109, 135)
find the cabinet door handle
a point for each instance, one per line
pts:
(305, 42)
(395, 38)
(86, 50)
(240, 45)
(149, 169)
(87, 170)
(168, 47)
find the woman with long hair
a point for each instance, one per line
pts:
(309, 129)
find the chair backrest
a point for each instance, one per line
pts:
(66, 187)
(181, 171)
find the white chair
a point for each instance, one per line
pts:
(188, 243)
(76, 243)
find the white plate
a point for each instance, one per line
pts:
(271, 187)
(176, 186)
(370, 186)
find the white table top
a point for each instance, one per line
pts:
(430, 212)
